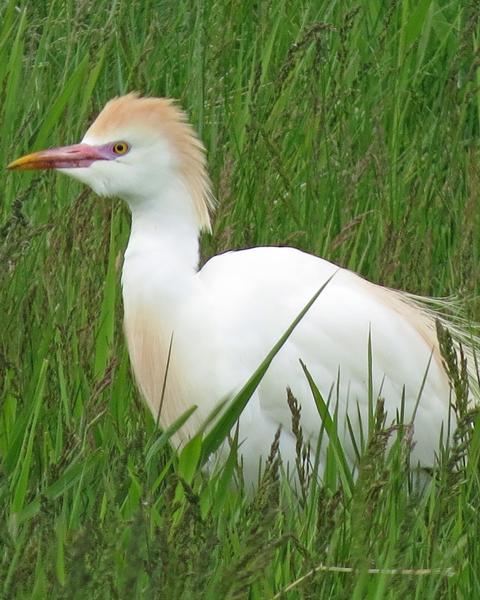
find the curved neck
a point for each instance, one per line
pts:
(165, 305)
(164, 232)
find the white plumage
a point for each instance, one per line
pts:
(223, 319)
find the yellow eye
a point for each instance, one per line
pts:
(121, 148)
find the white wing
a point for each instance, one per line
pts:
(256, 295)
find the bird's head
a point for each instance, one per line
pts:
(134, 149)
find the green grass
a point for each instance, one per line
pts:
(349, 129)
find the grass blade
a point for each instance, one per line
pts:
(164, 438)
(330, 428)
(219, 432)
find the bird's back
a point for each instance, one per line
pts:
(257, 293)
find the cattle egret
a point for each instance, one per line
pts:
(216, 324)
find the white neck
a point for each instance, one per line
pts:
(161, 259)
(164, 302)
(164, 234)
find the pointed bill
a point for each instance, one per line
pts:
(64, 157)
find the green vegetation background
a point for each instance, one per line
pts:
(349, 129)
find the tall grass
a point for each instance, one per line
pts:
(348, 129)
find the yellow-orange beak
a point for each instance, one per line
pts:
(65, 157)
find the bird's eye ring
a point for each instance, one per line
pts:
(120, 148)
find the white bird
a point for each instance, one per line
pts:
(223, 319)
